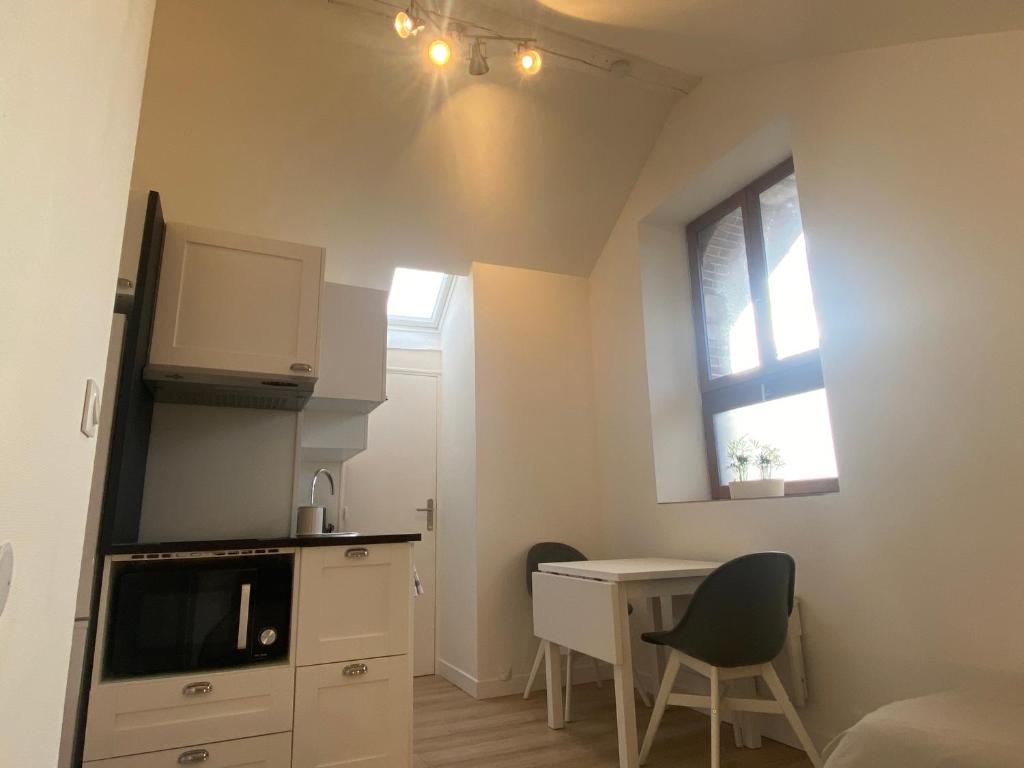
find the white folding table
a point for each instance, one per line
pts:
(584, 606)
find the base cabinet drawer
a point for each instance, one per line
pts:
(354, 602)
(357, 714)
(260, 752)
(130, 717)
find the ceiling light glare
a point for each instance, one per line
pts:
(439, 52)
(528, 60)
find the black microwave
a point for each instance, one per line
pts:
(192, 612)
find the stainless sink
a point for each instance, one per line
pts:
(337, 534)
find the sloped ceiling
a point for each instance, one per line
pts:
(708, 36)
(305, 121)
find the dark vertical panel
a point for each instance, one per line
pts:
(133, 410)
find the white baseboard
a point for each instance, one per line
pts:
(493, 688)
(458, 677)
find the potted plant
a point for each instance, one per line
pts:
(745, 453)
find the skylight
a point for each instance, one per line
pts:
(417, 297)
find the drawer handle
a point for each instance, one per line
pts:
(302, 367)
(357, 552)
(197, 689)
(355, 670)
(193, 756)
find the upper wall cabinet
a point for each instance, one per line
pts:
(237, 320)
(353, 349)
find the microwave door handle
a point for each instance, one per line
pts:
(243, 617)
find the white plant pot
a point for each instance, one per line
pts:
(757, 489)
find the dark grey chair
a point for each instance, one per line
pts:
(557, 552)
(734, 626)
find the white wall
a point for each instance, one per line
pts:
(69, 108)
(457, 492)
(909, 162)
(310, 122)
(536, 441)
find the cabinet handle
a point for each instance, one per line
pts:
(193, 756)
(198, 689)
(302, 367)
(355, 670)
(357, 552)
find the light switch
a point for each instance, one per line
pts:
(91, 409)
(6, 573)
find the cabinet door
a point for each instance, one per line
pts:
(237, 304)
(146, 715)
(354, 602)
(259, 752)
(357, 714)
(353, 349)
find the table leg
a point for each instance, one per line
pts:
(553, 679)
(625, 704)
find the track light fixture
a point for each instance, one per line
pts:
(411, 21)
(408, 23)
(478, 58)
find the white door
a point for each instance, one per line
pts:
(387, 485)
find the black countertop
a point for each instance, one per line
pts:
(220, 545)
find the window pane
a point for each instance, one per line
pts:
(414, 293)
(728, 310)
(794, 323)
(797, 425)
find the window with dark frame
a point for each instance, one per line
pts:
(757, 335)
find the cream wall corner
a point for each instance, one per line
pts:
(908, 161)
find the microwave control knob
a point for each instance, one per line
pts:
(268, 636)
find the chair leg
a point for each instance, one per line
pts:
(779, 692)
(640, 689)
(671, 670)
(568, 685)
(597, 672)
(536, 668)
(716, 718)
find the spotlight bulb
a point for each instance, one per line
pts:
(404, 25)
(528, 60)
(439, 52)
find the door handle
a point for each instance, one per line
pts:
(355, 670)
(243, 617)
(197, 689)
(357, 552)
(301, 367)
(429, 509)
(193, 756)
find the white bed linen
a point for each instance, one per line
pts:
(958, 729)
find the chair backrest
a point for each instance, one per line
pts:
(739, 615)
(548, 552)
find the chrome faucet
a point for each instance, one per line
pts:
(316, 476)
(328, 527)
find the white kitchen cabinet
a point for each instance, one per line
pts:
(355, 713)
(353, 349)
(236, 306)
(145, 715)
(272, 751)
(354, 602)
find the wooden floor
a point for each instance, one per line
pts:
(453, 729)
